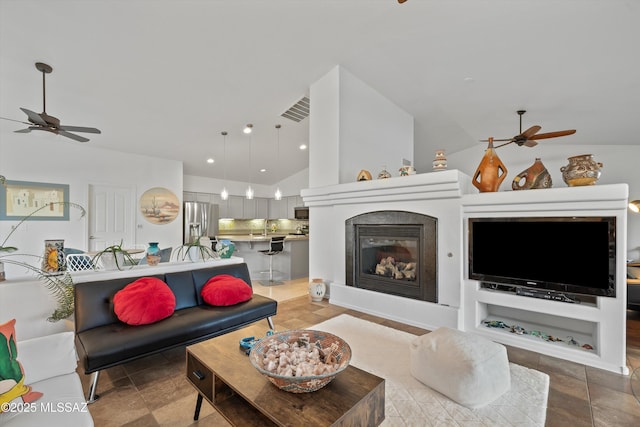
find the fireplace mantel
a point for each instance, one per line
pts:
(426, 186)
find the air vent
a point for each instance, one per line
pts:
(298, 111)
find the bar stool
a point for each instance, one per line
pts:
(276, 246)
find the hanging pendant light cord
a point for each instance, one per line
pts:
(278, 194)
(224, 155)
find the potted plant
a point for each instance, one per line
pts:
(59, 284)
(197, 250)
(114, 257)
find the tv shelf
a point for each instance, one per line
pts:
(541, 294)
(599, 322)
(562, 338)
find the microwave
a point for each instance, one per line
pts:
(301, 212)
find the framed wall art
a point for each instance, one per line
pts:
(159, 205)
(19, 199)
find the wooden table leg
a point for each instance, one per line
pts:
(196, 414)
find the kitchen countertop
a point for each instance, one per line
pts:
(260, 237)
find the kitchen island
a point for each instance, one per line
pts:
(292, 263)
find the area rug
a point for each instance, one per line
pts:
(384, 352)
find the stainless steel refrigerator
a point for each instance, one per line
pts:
(200, 219)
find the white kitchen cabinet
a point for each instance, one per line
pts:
(249, 209)
(277, 209)
(235, 207)
(262, 207)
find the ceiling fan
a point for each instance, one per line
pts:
(528, 137)
(48, 123)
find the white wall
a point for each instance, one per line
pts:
(201, 184)
(375, 134)
(42, 157)
(619, 165)
(354, 127)
(324, 130)
(289, 186)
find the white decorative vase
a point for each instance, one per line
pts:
(195, 254)
(317, 289)
(108, 260)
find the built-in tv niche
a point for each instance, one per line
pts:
(393, 252)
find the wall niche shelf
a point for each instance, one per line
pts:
(599, 322)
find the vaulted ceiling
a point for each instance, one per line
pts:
(166, 77)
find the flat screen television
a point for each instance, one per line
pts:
(575, 255)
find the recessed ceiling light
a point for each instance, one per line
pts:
(210, 160)
(263, 170)
(303, 146)
(248, 128)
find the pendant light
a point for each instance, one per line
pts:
(224, 195)
(278, 194)
(249, 191)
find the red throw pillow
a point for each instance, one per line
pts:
(144, 301)
(224, 289)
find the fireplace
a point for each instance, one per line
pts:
(393, 252)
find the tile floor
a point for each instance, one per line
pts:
(154, 392)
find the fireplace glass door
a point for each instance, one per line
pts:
(394, 258)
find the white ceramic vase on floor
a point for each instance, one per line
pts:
(317, 289)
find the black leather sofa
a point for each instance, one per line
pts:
(103, 341)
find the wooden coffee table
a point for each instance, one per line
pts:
(222, 373)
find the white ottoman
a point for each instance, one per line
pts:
(468, 369)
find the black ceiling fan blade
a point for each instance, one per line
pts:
(79, 129)
(72, 136)
(27, 130)
(34, 117)
(18, 121)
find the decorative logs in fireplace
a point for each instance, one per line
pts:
(393, 252)
(388, 267)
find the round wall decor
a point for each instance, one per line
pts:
(159, 205)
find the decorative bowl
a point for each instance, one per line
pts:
(308, 383)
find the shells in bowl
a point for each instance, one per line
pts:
(300, 361)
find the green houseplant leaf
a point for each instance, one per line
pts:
(204, 252)
(60, 284)
(113, 251)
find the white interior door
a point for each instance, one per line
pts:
(110, 217)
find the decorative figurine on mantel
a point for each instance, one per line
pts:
(384, 174)
(490, 172)
(407, 170)
(440, 162)
(364, 175)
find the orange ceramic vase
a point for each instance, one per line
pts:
(490, 172)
